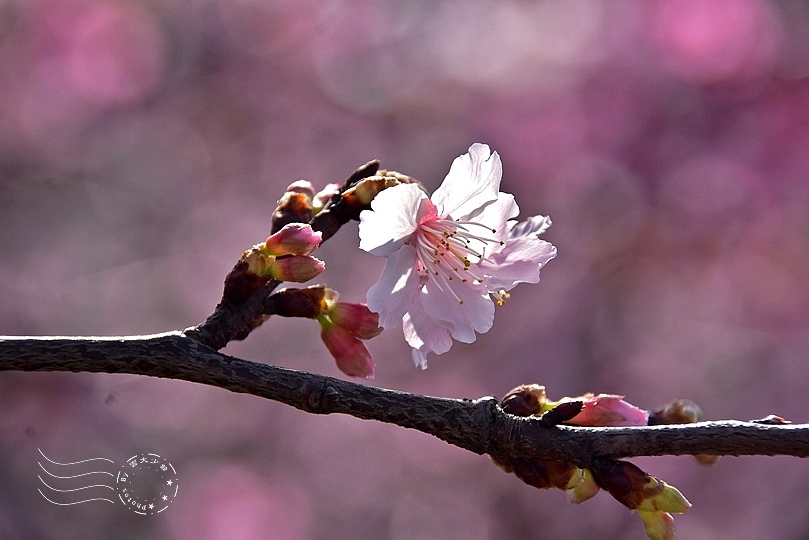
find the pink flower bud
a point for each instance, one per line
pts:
(351, 355)
(293, 239)
(609, 410)
(357, 319)
(298, 268)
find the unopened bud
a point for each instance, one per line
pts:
(543, 473)
(608, 410)
(323, 196)
(356, 318)
(582, 486)
(304, 187)
(294, 207)
(706, 459)
(524, 400)
(350, 353)
(665, 498)
(293, 302)
(637, 490)
(292, 239)
(297, 268)
(678, 411)
(365, 191)
(258, 263)
(659, 525)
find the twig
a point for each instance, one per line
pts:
(479, 425)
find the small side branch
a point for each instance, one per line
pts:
(479, 426)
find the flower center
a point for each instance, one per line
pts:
(446, 250)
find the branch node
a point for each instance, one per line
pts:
(320, 398)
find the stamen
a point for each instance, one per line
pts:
(500, 297)
(444, 251)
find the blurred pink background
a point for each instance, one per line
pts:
(143, 146)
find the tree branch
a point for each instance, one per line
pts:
(479, 426)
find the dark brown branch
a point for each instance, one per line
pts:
(479, 426)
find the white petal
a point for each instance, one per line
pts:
(424, 334)
(392, 219)
(473, 181)
(419, 358)
(535, 225)
(396, 289)
(496, 215)
(476, 314)
(518, 262)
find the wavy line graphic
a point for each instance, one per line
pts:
(75, 475)
(75, 462)
(77, 502)
(73, 490)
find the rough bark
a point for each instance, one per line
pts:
(478, 425)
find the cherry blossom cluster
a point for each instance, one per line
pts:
(451, 257)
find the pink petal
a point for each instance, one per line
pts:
(392, 219)
(518, 262)
(396, 289)
(609, 410)
(473, 181)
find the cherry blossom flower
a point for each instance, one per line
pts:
(452, 256)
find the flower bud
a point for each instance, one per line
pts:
(364, 191)
(582, 486)
(356, 318)
(609, 410)
(678, 411)
(323, 196)
(524, 400)
(637, 490)
(258, 264)
(291, 302)
(303, 187)
(295, 206)
(659, 525)
(292, 239)
(350, 353)
(681, 411)
(543, 473)
(297, 268)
